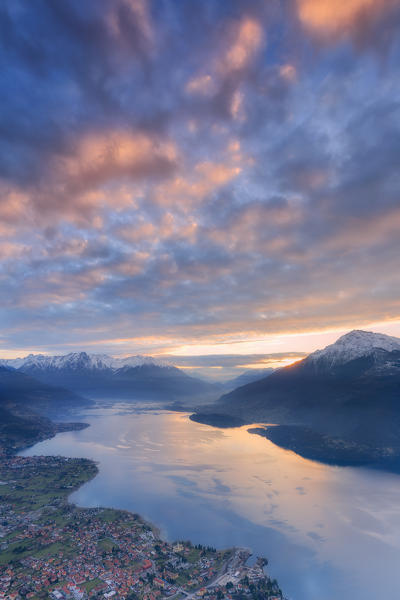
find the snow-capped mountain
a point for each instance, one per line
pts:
(350, 390)
(100, 375)
(78, 360)
(353, 345)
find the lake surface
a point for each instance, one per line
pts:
(328, 532)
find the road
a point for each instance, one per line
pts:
(232, 565)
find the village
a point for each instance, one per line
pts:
(50, 548)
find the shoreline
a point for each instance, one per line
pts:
(310, 444)
(223, 571)
(50, 430)
(327, 450)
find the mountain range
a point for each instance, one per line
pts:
(341, 404)
(78, 360)
(102, 376)
(37, 388)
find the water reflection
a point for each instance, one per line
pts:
(329, 532)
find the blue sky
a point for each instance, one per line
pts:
(177, 177)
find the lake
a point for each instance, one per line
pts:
(328, 532)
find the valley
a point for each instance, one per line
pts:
(337, 407)
(199, 300)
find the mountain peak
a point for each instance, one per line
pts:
(79, 360)
(352, 345)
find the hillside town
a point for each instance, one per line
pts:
(50, 548)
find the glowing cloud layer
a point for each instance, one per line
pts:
(177, 175)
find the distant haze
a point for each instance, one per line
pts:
(221, 367)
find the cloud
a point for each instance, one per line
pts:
(288, 72)
(221, 80)
(361, 19)
(203, 84)
(192, 173)
(247, 39)
(14, 204)
(243, 40)
(130, 17)
(222, 367)
(101, 157)
(10, 251)
(72, 185)
(206, 177)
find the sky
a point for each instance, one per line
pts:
(198, 177)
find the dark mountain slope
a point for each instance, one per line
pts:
(148, 380)
(18, 390)
(348, 393)
(247, 377)
(343, 398)
(355, 398)
(23, 403)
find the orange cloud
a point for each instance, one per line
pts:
(101, 170)
(288, 72)
(215, 174)
(205, 178)
(10, 250)
(14, 205)
(328, 17)
(169, 227)
(176, 227)
(204, 84)
(271, 363)
(103, 156)
(246, 40)
(249, 37)
(234, 146)
(237, 110)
